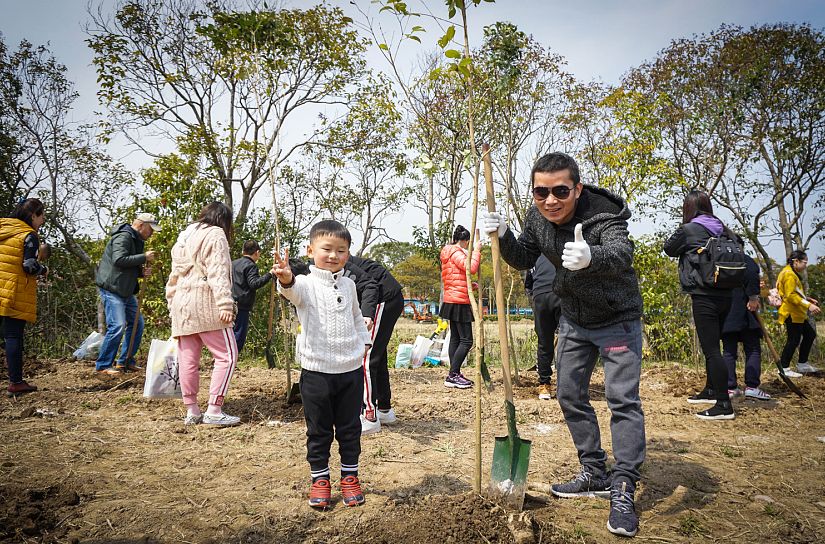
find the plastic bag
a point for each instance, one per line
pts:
(162, 370)
(402, 358)
(421, 347)
(774, 299)
(90, 347)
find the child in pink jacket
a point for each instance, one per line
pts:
(199, 295)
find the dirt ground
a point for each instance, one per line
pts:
(89, 460)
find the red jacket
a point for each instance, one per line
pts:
(453, 278)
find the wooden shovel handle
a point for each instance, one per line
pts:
(496, 250)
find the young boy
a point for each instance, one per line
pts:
(331, 347)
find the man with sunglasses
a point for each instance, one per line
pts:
(582, 230)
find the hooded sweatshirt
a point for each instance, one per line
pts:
(200, 284)
(606, 292)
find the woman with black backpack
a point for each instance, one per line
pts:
(693, 242)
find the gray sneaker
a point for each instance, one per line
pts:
(623, 519)
(583, 485)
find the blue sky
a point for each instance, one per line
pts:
(600, 39)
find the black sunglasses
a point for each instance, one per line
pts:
(561, 192)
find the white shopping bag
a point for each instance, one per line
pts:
(421, 347)
(162, 370)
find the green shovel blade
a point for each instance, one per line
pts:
(511, 459)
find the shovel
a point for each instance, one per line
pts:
(511, 454)
(792, 386)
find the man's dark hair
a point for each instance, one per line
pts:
(329, 227)
(555, 162)
(250, 247)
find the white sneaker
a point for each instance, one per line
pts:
(221, 420)
(387, 417)
(756, 393)
(370, 427)
(791, 374)
(806, 368)
(192, 419)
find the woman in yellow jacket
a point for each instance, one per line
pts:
(18, 284)
(794, 314)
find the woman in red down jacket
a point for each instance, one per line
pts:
(456, 304)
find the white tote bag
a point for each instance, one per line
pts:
(162, 370)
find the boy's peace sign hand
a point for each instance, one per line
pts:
(281, 268)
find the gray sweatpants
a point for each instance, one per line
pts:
(620, 346)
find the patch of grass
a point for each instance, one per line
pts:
(682, 450)
(731, 452)
(579, 532)
(380, 453)
(450, 449)
(689, 525)
(124, 400)
(772, 510)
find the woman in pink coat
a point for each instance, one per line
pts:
(199, 294)
(456, 304)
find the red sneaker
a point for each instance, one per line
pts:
(20, 388)
(319, 494)
(351, 491)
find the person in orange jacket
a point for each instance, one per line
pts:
(456, 304)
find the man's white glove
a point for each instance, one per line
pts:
(576, 255)
(493, 222)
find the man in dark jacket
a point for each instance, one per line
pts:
(741, 326)
(246, 279)
(123, 262)
(582, 230)
(546, 315)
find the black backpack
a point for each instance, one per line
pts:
(720, 263)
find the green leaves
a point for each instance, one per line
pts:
(447, 37)
(452, 54)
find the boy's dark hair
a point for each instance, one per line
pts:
(555, 162)
(217, 214)
(797, 255)
(329, 227)
(27, 209)
(460, 233)
(250, 247)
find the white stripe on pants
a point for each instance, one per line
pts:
(222, 346)
(369, 411)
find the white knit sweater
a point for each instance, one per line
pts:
(333, 335)
(200, 284)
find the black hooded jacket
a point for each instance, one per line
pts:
(607, 291)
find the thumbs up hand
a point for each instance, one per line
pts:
(576, 255)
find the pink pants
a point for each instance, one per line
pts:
(221, 344)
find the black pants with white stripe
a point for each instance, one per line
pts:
(332, 407)
(376, 375)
